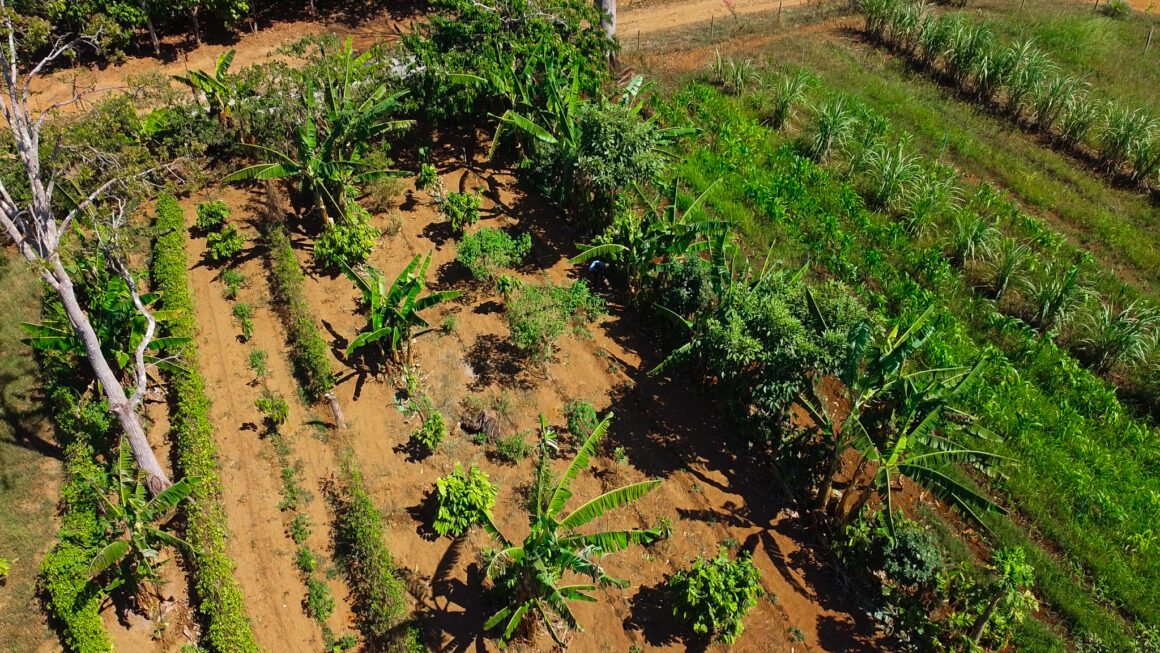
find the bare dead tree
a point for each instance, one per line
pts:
(36, 230)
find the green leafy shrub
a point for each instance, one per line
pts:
(431, 433)
(461, 209)
(234, 281)
(211, 216)
(258, 362)
(541, 313)
(1116, 9)
(464, 498)
(377, 593)
(221, 603)
(244, 314)
(319, 603)
(300, 528)
(488, 250)
(912, 558)
(428, 177)
(224, 245)
(305, 561)
(513, 448)
(345, 244)
(274, 410)
(5, 567)
(581, 418)
(714, 595)
(310, 356)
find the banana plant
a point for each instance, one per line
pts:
(531, 574)
(917, 443)
(119, 325)
(219, 93)
(392, 313)
(649, 246)
(330, 168)
(130, 521)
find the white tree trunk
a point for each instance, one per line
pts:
(608, 16)
(36, 232)
(152, 30)
(120, 404)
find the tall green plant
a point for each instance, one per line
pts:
(531, 574)
(129, 519)
(219, 91)
(392, 313)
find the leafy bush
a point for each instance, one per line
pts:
(310, 355)
(300, 528)
(345, 244)
(221, 602)
(258, 362)
(713, 596)
(305, 561)
(225, 244)
(274, 410)
(234, 281)
(688, 288)
(428, 177)
(319, 603)
(1116, 9)
(464, 498)
(461, 209)
(378, 594)
(581, 418)
(488, 250)
(431, 433)
(513, 448)
(211, 216)
(912, 558)
(244, 314)
(540, 314)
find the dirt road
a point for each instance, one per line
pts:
(668, 15)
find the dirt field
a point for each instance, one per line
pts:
(666, 431)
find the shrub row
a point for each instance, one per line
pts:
(309, 356)
(73, 600)
(221, 603)
(358, 542)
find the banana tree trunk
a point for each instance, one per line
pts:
(119, 405)
(981, 622)
(152, 31)
(339, 420)
(827, 487)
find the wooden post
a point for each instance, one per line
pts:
(1096, 7)
(1021, 3)
(638, 40)
(779, 13)
(339, 420)
(712, 25)
(1148, 45)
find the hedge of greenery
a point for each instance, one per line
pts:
(309, 356)
(379, 601)
(72, 598)
(221, 602)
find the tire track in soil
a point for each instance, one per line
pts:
(259, 543)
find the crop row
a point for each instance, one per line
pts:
(220, 600)
(1085, 478)
(1020, 81)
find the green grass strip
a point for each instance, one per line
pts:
(221, 603)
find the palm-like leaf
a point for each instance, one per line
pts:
(112, 554)
(579, 463)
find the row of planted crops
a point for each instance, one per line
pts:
(955, 324)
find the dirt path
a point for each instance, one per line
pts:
(670, 15)
(251, 474)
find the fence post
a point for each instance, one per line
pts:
(1096, 7)
(713, 24)
(779, 13)
(1149, 43)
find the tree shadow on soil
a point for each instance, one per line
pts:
(652, 616)
(463, 625)
(495, 360)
